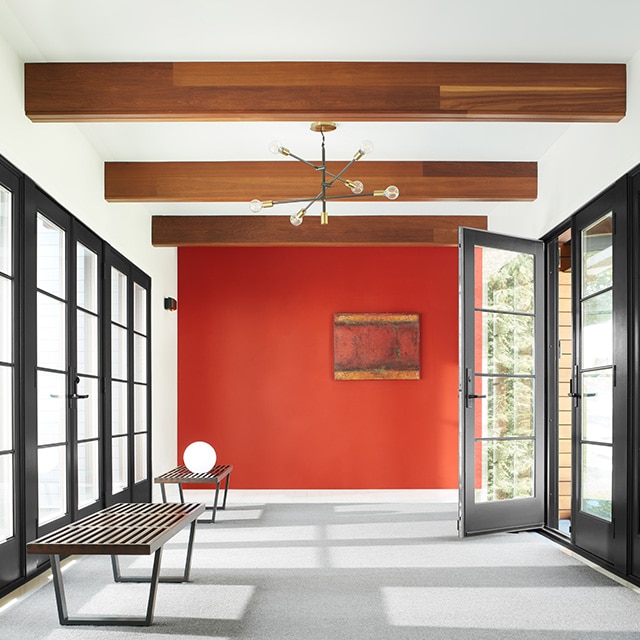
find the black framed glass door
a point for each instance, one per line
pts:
(11, 532)
(65, 315)
(128, 373)
(501, 390)
(599, 379)
(501, 399)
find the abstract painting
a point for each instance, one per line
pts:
(376, 346)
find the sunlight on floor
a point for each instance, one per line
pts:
(500, 608)
(219, 602)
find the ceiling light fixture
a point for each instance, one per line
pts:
(328, 180)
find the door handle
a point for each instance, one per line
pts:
(75, 395)
(475, 395)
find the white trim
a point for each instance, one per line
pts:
(244, 496)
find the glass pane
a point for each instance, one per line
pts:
(118, 407)
(87, 278)
(52, 483)
(597, 475)
(118, 352)
(87, 408)
(52, 342)
(597, 331)
(120, 477)
(140, 358)
(504, 280)
(88, 483)
(118, 297)
(507, 343)
(6, 320)
(87, 343)
(597, 256)
(6, 408)
(141, 457)
(51, 257)
(140, 408)
(52, 402)
(6, 497)
(597, 406)
(504, 470)
(139, 309)
(507, 409)
(5, 231)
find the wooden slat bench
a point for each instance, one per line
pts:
(122, 529)
(181, 475)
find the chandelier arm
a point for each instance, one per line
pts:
(337, 176)
(352, 195)
(309, 164)
(309, 200)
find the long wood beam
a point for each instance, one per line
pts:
(250, 231)
(348, 91)
(244, 181)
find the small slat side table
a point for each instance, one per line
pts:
(181, 475)
(136, 528)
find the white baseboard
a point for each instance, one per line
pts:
(244, 496)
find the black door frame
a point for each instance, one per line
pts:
(585, 539)
(506, 515)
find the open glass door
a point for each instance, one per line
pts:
(501, 383)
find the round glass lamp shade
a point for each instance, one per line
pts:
(199, 457)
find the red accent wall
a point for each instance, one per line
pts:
(255, 366)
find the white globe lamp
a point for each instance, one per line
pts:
(199, 457)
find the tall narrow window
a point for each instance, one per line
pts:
(52, 381)
(597, 374)
(86, 382)
(119, 382)
(7, 448)
(140, 348)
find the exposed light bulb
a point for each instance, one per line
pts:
(255, 206)
(356, 186)
(275, 147)
(296, 218)
(391, 192)
(366, 147)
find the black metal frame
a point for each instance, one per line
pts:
(15, 565)
(214, 507)
(511, 515)
(12, 557)
(605, 540)
(114, 620)
(141, 491)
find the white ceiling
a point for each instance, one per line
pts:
(403, 30)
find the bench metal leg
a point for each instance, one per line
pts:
(215, 503)
(66, 619)
(185, 577)
(226, 490)
(215, 498)
(163, 491)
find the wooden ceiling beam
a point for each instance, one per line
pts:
(343, 91)
(244, 181)
(251, 231)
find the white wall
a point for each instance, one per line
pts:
(61, 161)
(585, 161)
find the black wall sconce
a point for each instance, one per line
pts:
(170, 304)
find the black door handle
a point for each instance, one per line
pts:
(475, 395)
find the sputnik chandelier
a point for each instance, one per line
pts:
(327, 181)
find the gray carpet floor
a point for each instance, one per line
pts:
(340, 570)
